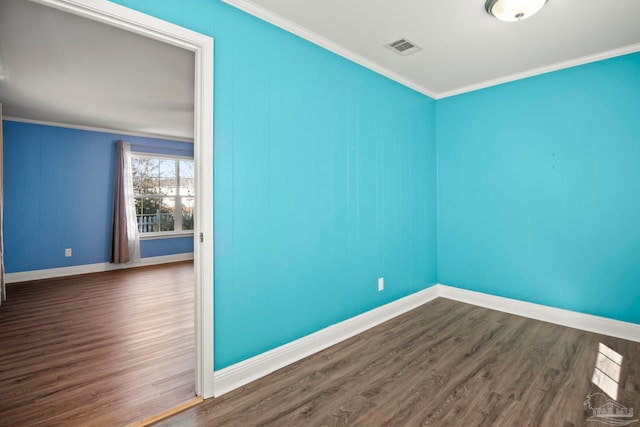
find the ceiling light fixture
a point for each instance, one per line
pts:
(513, 10)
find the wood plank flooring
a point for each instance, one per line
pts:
(443, 364)
(104, 349)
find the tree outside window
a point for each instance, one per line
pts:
(164, 193)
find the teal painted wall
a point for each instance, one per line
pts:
(325, 179)
(539, 189)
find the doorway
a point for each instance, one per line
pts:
(202, 47)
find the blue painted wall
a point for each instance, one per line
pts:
(58, 193)
(539, 189)
(161, 247)
(325, 180)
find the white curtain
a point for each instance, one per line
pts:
(130, 206)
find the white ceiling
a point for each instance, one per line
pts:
(61, 68)
(463, 48)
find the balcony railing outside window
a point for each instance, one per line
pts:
(164, 194)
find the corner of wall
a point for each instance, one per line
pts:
(437, 139)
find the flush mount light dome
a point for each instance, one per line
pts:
(513, 10)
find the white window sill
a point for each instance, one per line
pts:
(165, 235)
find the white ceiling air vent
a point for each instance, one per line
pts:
(404, 47)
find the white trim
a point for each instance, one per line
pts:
(166, 235)
(128, 19)
(241, 373)
(321, 41)
(246, 371)
(50, 273)
(543, 70)
(204, 216)
(558, 316)
(292, 27)
(176, 196)
(131, 20)
(148, 155)
(98, 129)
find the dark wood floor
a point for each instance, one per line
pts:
(443, 364)
(104, 349)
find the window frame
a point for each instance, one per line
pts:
(177, 218)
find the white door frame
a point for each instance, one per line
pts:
(202, 46)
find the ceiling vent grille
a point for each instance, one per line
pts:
(404, 47)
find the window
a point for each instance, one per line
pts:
(164, 194)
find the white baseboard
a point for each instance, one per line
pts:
(244, 372)
(571, 319)
(241, 373)
(25, 276)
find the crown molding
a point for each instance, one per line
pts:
(96, 129)
(543, 70)
(298, 30)
(287, 25)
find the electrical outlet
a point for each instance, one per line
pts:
(67, 252)
(380, 283)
